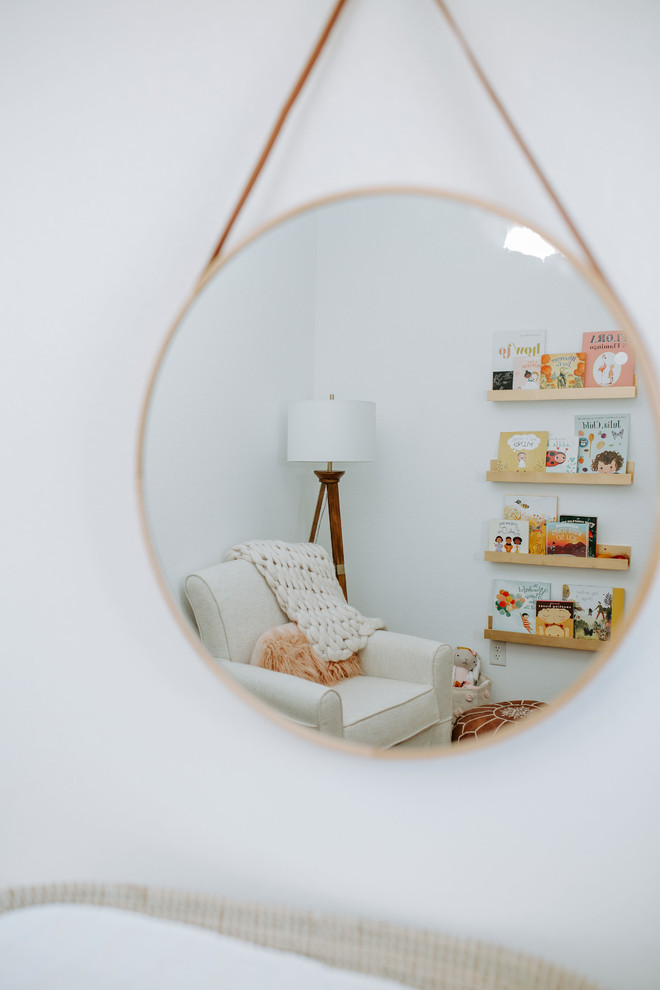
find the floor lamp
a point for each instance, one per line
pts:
(331, 430)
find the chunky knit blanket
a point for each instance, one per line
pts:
(302, 577)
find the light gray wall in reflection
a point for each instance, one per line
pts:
(408, 296)
(215, 469)
(392, 300)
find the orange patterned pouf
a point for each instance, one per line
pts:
(492, 718)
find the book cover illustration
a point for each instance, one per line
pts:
(596, 609)
(537, 510)
(507, 346)
(523, 450)
(569, 538)
(592, 522)
(508, 536)
(527, 371)
(562, 454)
(610, 359)
(513, 607)
(554, 618)
(563, 370)
(603, 443)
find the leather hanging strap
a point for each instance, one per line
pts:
(517, 136)
(295, 92)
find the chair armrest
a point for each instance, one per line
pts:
(411, 658)
(303, 701)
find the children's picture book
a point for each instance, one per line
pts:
(596, 609)
(502, 381)
(563, 370)
(554, 618)
(569, 538)
(537, 510)
(509, 536)
(610, 359)
(507, 345)
(562, 454)
(603, 443)
(523, 450)
(592, 522)
(527, 371)
(513, 605)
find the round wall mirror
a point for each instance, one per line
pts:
(395, 298)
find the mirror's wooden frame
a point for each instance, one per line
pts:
(652, 387)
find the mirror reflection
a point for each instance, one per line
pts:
(390, 301)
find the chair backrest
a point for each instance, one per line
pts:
(233, 606)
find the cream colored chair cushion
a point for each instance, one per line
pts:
(402, 696)
(378, 711)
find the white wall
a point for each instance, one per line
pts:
(410, 290)
(128, 132)
(215, 471)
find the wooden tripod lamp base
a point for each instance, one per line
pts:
(323, 431)
(330, 485)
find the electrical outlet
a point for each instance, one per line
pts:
(498, 653)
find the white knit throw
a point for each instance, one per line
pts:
(302, 577)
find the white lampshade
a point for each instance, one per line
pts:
(332, 430)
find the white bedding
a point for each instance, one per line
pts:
(75, 947)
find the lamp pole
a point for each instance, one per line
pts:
(330, 483)
(342, 431)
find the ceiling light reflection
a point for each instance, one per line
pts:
(527, 241)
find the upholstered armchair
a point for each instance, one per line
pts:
(402, 697)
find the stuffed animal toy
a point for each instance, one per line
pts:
(467, 667)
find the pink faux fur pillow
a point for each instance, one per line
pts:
(288, 650)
